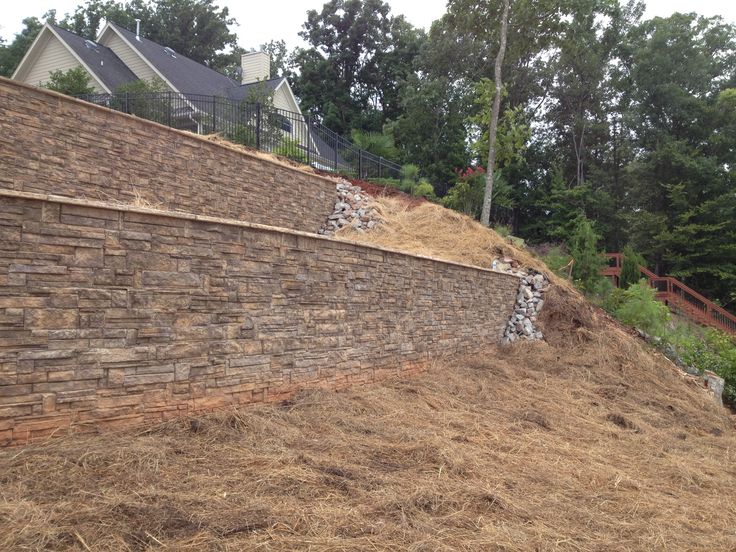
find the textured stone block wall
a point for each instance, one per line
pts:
(52, 144)
(113, 316)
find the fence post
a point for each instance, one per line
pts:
(335, 155)
(360, 163)
(126, 109)
(258, 126)
(168, 109)
(214, 114)
(380, 166)
(309, 140)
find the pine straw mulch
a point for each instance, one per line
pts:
(278, 159)
(592, 447)
(434, 231)
(587, 441)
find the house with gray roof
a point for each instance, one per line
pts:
(120, 56)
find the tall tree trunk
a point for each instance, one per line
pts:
(485, 217)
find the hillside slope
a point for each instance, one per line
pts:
(587, 441)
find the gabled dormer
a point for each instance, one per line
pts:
(56, 49)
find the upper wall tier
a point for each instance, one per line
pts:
(53, 144)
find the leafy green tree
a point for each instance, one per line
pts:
(11, 54)
(394, 63)
(680, 185)
(431, 130)
(279, 57)
(582, 91)
(198, 29)
(73, 82)
(467, 194)
(513, 128)
(358, 54)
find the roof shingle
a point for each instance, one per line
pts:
(106, 66)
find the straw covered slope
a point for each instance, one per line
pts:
(428, 229)
(588, 441)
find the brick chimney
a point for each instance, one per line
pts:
(256, 67)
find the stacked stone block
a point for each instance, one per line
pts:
(53, 144)
(111, 316)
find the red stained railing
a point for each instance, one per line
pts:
(677, 295)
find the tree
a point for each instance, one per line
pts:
(11, 54)
(279, 57)
(376, 143)
(485, 217)
(431, 131)
(583, 98)
(198, 29)
(358, 55)
(680, 198)
(583, 245)
(73, 82)
(630, 272)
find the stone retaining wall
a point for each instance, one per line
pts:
(53, 144)
(112, 315)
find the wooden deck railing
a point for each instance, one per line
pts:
(677, 296)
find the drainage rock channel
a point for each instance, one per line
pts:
(352, 208)
(529, 302)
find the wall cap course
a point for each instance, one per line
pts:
(121, 207)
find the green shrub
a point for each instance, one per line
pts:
(244, 135)
(600, 291)
(410, 172)
(73, 82)
(292, 149)
(558, 261)
(143, 98)
(502, 230)
(376, 143)
(725, 347)
(588, 262)
(707, 349)
(424, 189)
(141, 86)
(641, 310)
(630, 273)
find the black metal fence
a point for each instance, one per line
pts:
(264, 127)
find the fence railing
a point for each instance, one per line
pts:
(288, 133)
(677, 295)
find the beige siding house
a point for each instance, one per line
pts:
(53, 55)
(127, 55)
(120, 56)
(56, 49)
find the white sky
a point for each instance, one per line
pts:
(260, 22)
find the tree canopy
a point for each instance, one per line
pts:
(198, 29)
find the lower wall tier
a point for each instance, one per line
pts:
(111, 316)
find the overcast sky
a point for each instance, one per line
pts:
(260, 22)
